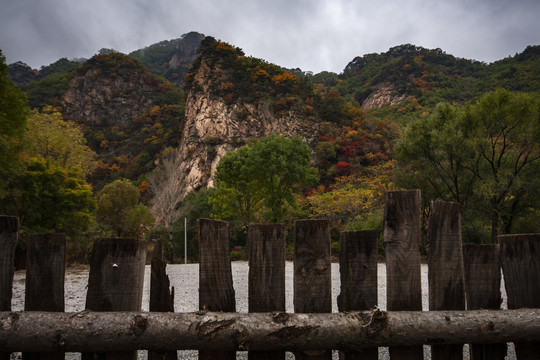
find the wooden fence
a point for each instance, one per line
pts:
(464, 294)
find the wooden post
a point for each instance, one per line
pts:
(216, 291)
(483, 291)
(312, 274)
(520, 260)
(401, 237)
(161, 296)
(358, 273)
(45, 272)
(266, 275)
(445, 265)
(115, 282)
(9, 232)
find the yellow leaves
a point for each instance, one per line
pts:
(155, 110)
(351, 133)
(260, 74)
(343, 202)
(283, 77)
(354, 195)
(224, 46)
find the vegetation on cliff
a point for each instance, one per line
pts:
(129, 113)
(248, 79)
(170, 59)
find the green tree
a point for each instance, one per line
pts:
(13, 114)
(118, 206)
(48, 198)
(138, 222)
(194, 206)
(61, 142)
(237, 194)
(483, 156)
(261, 178)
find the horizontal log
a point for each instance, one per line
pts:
(114, 331)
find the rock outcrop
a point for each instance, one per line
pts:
(171, 59)
(213, 127)
(383, 94)
(100, 100)
(128, 114)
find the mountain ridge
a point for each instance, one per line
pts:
(143, 112)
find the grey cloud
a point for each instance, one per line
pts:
(313, 35)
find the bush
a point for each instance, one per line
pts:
(237, 255)
(372, 221)
(334, 249)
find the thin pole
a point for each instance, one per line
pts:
(185, 240)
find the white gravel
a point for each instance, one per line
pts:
(185, 279)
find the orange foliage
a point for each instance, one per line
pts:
(224, 46)
(283, 77)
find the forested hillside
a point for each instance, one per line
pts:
(179, 106)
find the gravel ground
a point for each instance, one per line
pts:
(185, 279)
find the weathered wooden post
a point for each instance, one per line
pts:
(9, 232)
(483, 290)
(401, 237)
(266, 275)
(312, 274)
(520, 260)
(445, 266)
(216, 291)
(161, 295)
(45, 272)
(358, 274)
(115, 282)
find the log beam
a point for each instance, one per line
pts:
(115, 331)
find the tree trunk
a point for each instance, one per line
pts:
(171, 246)
(494, 221)
(128, 331)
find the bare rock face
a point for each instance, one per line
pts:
(383, 94)
(214, 127)
(98, 100)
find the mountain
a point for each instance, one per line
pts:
(205, 97)
(232, 99)
(22, 74)
(409, 80)
(128, 115)
(171, 59)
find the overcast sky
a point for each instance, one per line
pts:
(313, 35)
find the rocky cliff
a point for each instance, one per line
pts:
(215, 126)
(383, 94)
(102, 96)
(129, 115)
